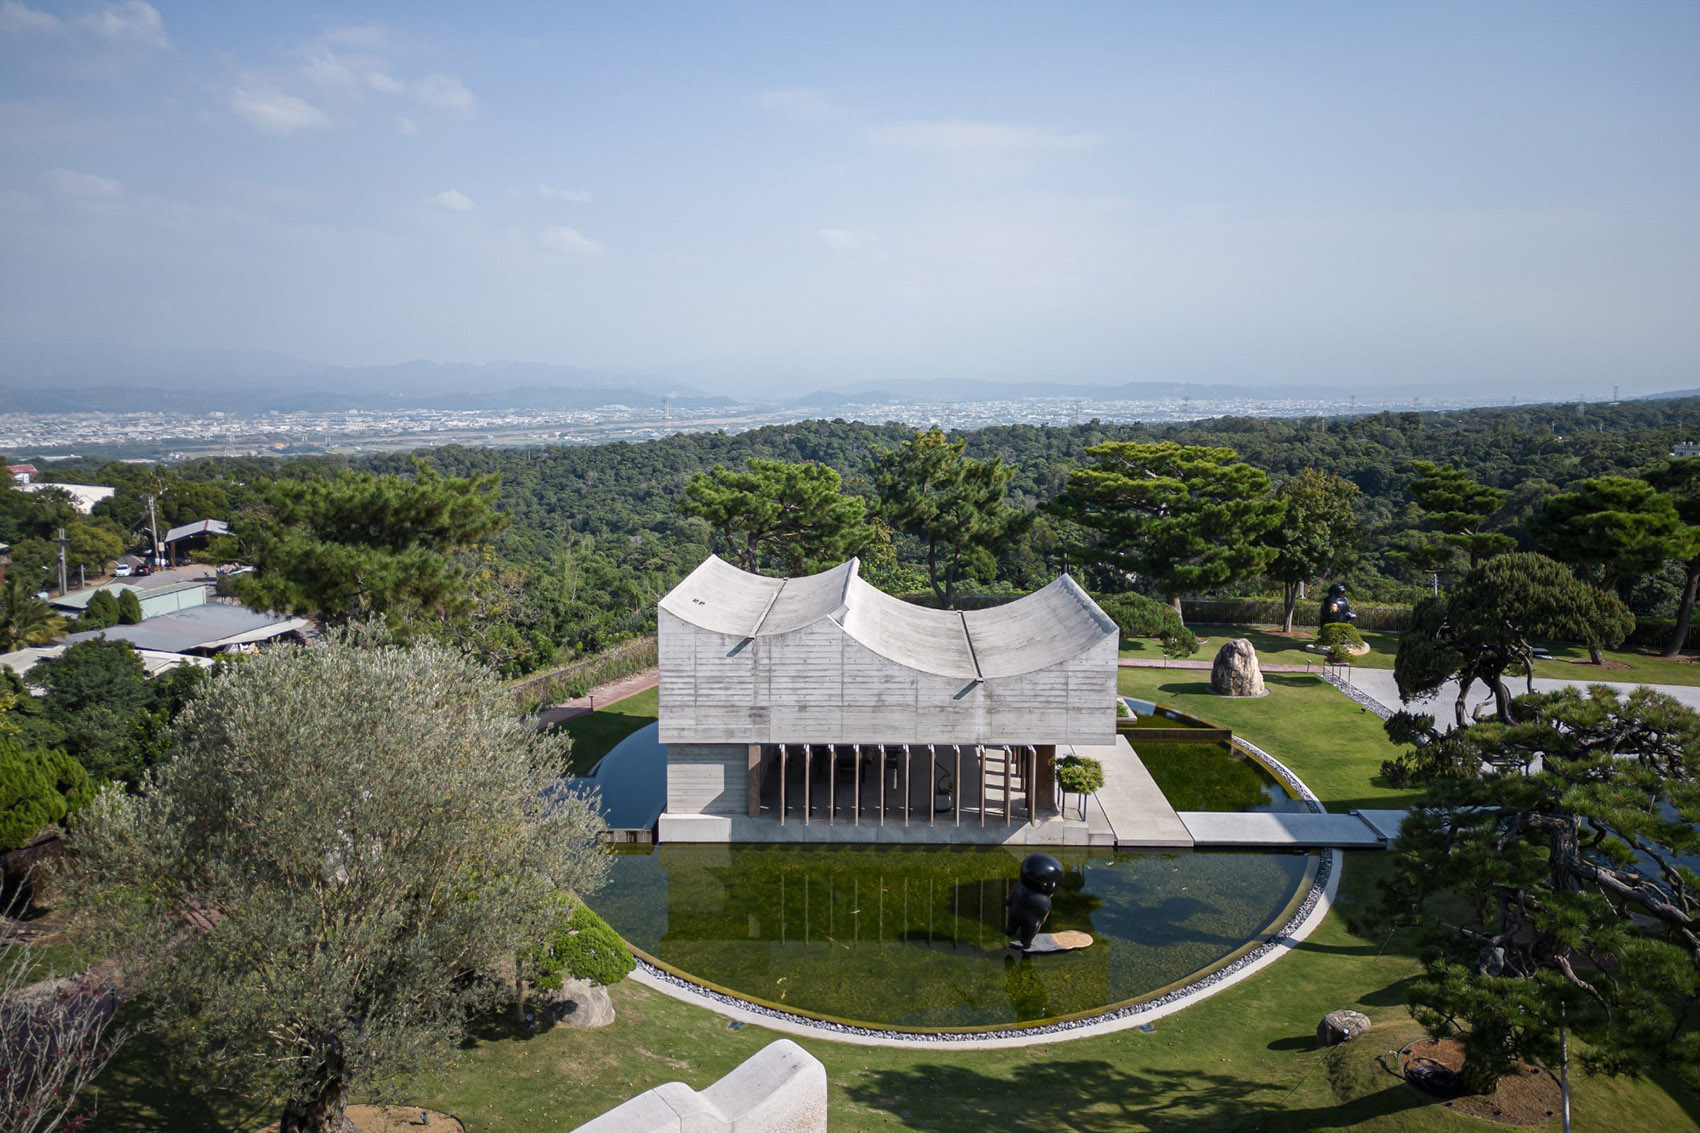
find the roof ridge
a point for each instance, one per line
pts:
(973, 655)
(768, 609)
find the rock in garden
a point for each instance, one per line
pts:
(1235, 672)
(577, 1003)
(1341, 1027)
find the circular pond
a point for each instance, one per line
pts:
(911, 937)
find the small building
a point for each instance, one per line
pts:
(21, 473)
(83, 496)
(156, 600)
(179, 541)
(1685, 448)
(775, 692)
(215, 627)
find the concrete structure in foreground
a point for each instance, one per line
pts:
(794, 703)
(781, 1088)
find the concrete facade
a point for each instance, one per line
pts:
(765, 682)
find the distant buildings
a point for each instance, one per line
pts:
(1685, 448)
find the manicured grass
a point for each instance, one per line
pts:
(1272, 645)
(595, 735)
(1244, 1059)
(1570, 662)
(1333, 745)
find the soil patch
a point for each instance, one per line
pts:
(1527, 1096)
(396, 1119)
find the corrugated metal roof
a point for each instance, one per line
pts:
(199, 627)
(199, 527)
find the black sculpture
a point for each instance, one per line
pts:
(1335, 608)
(1029, 903)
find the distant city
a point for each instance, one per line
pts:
(172, 436)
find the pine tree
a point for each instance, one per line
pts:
(1459, 506)
(1318, 534)
(775, 513)
(1183, 516)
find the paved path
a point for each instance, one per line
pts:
(1138, 813)
(607, 694)
(1379, 684)
(1293, 829)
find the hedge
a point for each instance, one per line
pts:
(624, 660)
(1652, 633)
(1267, 611)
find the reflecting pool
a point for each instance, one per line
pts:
(912, 936)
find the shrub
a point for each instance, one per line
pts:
(37, 787)
(1079, 775)
(584, 948)
(129, 608)
(102, 611)
(1138, 616)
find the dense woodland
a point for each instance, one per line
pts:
(595, 534)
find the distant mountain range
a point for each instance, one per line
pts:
(954, 390)
(258, 383)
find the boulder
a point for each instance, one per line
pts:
(577, 1003)
(1235, 671)
(1341, 1027)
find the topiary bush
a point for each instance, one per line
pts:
(1339, 642)
(584, 948)
(38, 786)
(102, 611)
(1138, 616)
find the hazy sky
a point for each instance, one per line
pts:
(791, 195)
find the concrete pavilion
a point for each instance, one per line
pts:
(820, 708)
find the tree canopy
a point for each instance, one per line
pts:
(1318, 533)
(1184, 517)
(24, 618)
(954, 504)
(1459, 506)
(775, 513)
(1679, 479)
(359, 546)
(347, 850)
(1481, 629)
(1553, 869)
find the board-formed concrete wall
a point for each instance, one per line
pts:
(819, 685)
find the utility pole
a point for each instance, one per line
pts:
(153, 528)
(63, 580)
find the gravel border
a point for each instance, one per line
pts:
(1358, 696)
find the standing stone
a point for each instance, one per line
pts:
(1341, 1027)
(577, 1003)
(1235, 672)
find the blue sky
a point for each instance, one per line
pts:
(779, 197)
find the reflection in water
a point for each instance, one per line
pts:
(913, 936)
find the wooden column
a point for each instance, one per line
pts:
(906, 794)
(980, 758)
(1032, 778)
(808, 794)
(1045, 778)
(757, 764)
(932, 785)
(856, 784)
(956, 788)
(1009, 758)
(782, 784)
(832, 784)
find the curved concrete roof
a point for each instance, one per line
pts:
(1031, 633)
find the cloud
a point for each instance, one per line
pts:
(569, 240)
(276, 112)
(976, 137)
(21, 20)
(89, 186)
(801, 103)
(452, 199)
(446, 93)
(133, 19)
(839, 239)
(130, 20)
(571, 196)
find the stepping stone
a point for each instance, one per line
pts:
(1058, 942)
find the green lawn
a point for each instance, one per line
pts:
(595, 735)
(1244, 1059)
(1570, 662)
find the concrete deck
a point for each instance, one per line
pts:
(1138, 813)
(1296, 830)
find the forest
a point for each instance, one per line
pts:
(588, 537)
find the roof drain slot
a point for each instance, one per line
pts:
(761, 621)
(968, 639)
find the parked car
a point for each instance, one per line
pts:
(122, 570)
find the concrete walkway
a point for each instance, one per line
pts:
(1138, 813)
(602, 694)
(1294, 830)
(1379, 684)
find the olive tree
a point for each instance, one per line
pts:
(337, 866)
